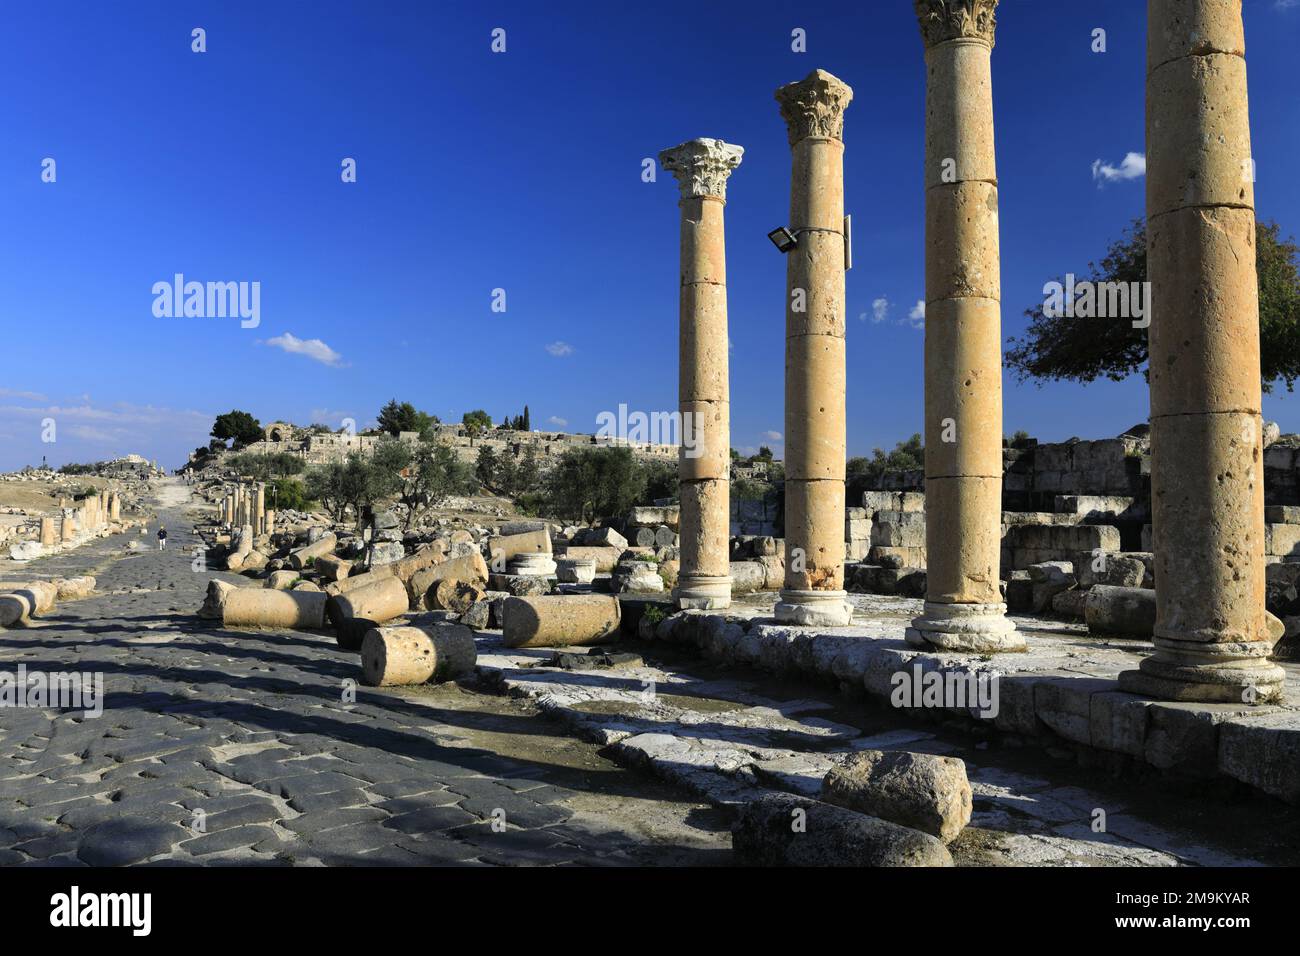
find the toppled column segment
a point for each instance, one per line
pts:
(396, 656)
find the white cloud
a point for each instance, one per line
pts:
(1133, 166)
(1285, 4)
(560, 349)
(329, 416)
(85, 432)
(314, 349)
(916, 318)
(29, 396)
(91, 433)
(879, 309)
(557, 421)
(772, 435)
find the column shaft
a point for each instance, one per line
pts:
(1213, 637)
(702, 167)
(813, 591)
(964, 610)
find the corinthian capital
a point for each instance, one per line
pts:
(943, 20)
(702, 166)
(814, 106)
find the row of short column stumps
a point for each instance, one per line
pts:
(88, 516)
(243, 505)
(1213, 637)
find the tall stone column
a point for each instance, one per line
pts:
(115, 506)
(813, 110)
(964, 610)
(259, 508)
(47, 532)
(702, 167)
(1213, 638)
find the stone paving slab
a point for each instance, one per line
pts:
(1063, 688)
(725, 740)
(218, 746)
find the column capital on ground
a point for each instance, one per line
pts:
(702, 166)
(944, 20)
(814, 106)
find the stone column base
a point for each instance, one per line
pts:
(814, 608)
(970, 628)
(531, 564)
(1237, 673)
(703, 592)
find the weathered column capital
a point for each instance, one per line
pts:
(702, 166)
(944, 20)
(814, 106)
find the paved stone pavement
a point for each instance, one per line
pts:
(238, 746)
(729, 733)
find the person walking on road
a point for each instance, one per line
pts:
(162, 539)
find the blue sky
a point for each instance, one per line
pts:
(521, 171)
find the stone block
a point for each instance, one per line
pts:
(1115, 610)
(927, 792)
(1282, 540)
(1019, 593)
(831, 836)
(1064, 704)
(1116, 570)
(1016, 709)
(1119, 722)
(898, 529)
(1185, 736)
(1263, 751)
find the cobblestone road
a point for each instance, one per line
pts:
(218, 746)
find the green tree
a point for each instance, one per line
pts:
(485, 468)
(1084, 350)
(507, 474)
(476, 422)
(396, 417)
(526, 424)
(288, 493)
(356, 483)
(241, 427)
(422, 474)
(865, 474)
(529, 471)
(281, 464)
(588, 483)
(747, 489)
(325, 483)
(661, 480)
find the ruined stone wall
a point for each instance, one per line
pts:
(1035, 474)
(323, 448)
(1282, 471)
